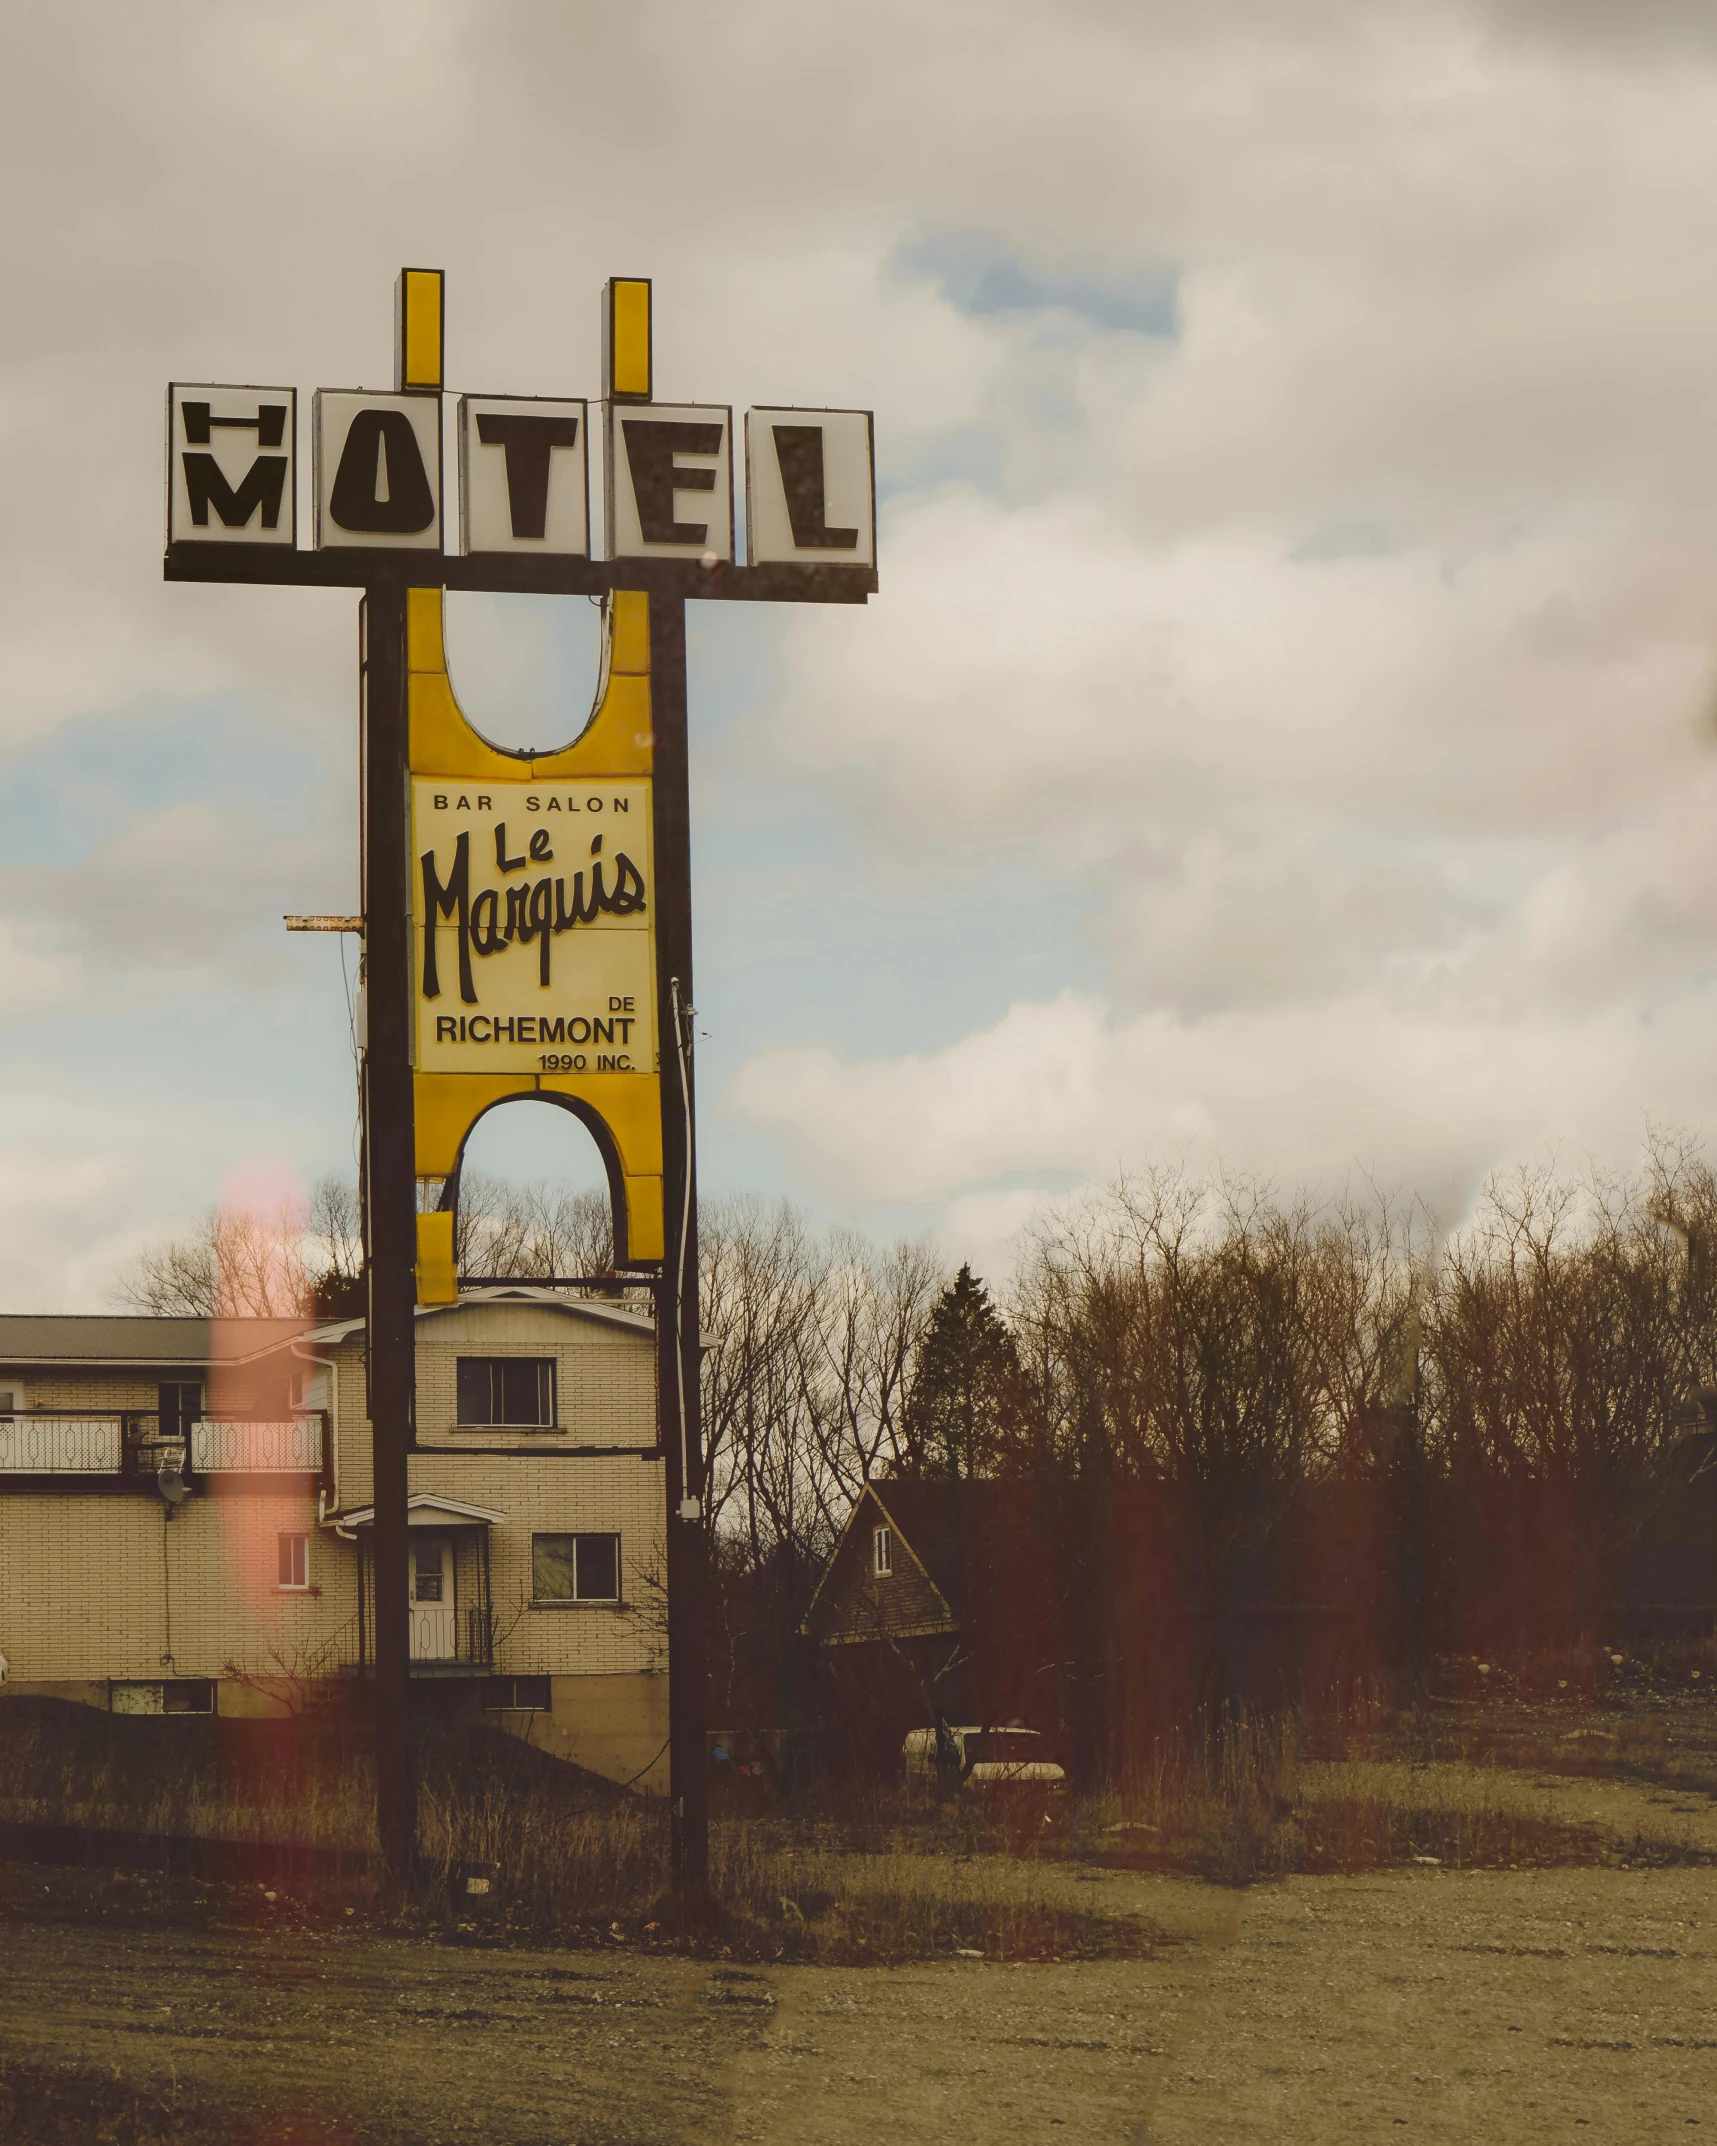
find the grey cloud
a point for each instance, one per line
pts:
(1405, 527)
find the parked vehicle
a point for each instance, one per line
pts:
(988, 1759)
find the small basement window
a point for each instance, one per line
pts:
(575, 1568)
(505, 1391)
(175, 1695)
(882, 1552)
(294, 1561)
(516, 1695)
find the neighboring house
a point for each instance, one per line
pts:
(185, 1515)
(940, 1599)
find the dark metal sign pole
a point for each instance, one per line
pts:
(678, 1356)
(390, 1199)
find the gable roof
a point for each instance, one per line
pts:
(625, 1316)
(853, 1603)
(963, 1551)
(423, 1509)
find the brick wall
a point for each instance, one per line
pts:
(96, 1586)
(104, 1586)
(84, 1389)
(605, 1377)
(617, 1496)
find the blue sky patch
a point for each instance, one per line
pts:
(980, 277)
(67, 793)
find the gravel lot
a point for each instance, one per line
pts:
(1500, 2005)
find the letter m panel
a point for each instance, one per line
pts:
(231, 465)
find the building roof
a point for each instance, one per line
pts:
(137, 1340)
(621, 1315)
(966, 1551)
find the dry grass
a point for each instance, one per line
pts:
(1244, 1802)
(554, 1856)
(886, 1873)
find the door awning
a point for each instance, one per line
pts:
(423, 1509)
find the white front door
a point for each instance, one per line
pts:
(431, 1583)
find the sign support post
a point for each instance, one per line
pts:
(678, 1350)
(389, 1201)
(433, 1058)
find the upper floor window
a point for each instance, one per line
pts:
(294, 1566)
(506, 1390)
(180, 1405)
(882, 1552)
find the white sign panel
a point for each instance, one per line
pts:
(230, 475)
(670, 481)
(810, 488)
(531, 906)
(522, 471)
(378, 470)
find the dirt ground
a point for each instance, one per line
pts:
(1497, 2005)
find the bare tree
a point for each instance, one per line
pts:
(234, 1265)
(505, 1230)
(239, 1264)
(873, 1311)
(769, 1478)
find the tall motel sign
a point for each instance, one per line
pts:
(527, 922)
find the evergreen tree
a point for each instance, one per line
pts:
(964, 1391)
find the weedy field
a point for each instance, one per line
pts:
(1221, 1946)
(1479, 1774)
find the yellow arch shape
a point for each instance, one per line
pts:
(623, 1110)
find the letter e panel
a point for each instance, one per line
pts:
(230, 473)
(670, 481)
(378, 470)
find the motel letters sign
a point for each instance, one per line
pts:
(532, 887)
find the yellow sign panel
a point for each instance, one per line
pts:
(533, 903)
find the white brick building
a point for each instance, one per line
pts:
(185, 1513)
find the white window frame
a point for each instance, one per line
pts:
(299, 1561)
(577, 1599)
(548, 1393)
(882, 1553)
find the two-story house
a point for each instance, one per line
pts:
(185, 1513)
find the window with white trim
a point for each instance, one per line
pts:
(294, 1567)
(882, 1553)
(505, 1392)
(575, 1568)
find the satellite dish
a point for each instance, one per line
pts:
(170, 1482)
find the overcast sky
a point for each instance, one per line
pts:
(1286, 729)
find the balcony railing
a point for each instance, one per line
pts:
(234, 1445)
(43, 1444)
(131, 1443)
(463, 1638)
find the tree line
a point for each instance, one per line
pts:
(1219, 1401)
